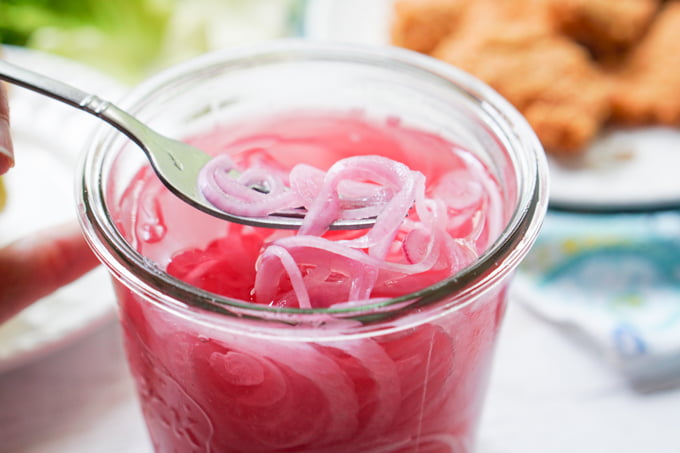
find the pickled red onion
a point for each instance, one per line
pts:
(309, 270)
(326, 206)
(236, 195)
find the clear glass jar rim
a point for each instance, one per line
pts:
(128, 265)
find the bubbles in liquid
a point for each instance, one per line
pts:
(152, 232)
(152, 226)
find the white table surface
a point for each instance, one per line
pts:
(548, 394)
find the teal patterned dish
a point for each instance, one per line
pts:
(615, 281)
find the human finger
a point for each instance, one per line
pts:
(35, 266)
(6, 149)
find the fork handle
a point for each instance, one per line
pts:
(75, 97)
(47, 86)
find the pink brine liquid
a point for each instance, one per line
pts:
(211, 387)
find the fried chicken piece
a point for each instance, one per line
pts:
(497, 17)
(647, 89)
(420, 24)
(606, 27)
(551, 80)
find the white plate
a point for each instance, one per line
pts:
(48, 136)
(623, 170)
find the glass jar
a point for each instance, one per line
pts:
(220, 374)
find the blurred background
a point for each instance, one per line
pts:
(589, 356)
(131, 39)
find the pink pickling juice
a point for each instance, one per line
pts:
(245, 339)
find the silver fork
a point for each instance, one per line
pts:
(176, 163)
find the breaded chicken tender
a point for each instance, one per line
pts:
(569, 66)
(420, 24)
(647, 90)
(552, 81)
(607, 28)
